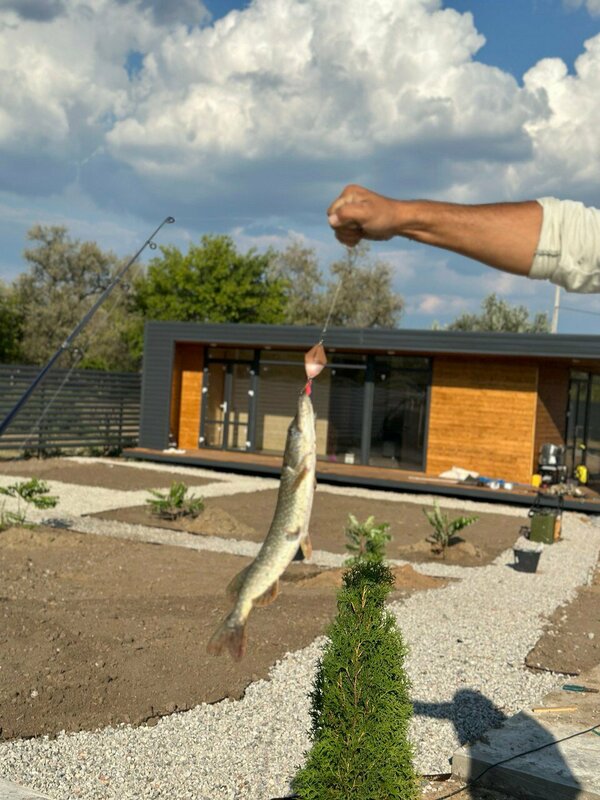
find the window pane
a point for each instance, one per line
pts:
(346, 399)
(399, 412)
(278, 389)
(592, 456)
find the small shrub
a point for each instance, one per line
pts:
(175, 503)
(444, 529)
(33, 492)
(366, 540)
(360, 702)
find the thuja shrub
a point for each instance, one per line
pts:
(360, 701)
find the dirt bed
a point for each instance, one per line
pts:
(106, 476)
(571, 641)
(97, 631)
(247, 516)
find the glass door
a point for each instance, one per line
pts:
(227, 405)
(583, 423)
(577, 420)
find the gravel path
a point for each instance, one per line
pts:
(467, 640)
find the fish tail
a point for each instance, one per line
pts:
(230, 634)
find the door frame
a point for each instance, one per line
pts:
(230, 364)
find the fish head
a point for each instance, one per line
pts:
(301, 439)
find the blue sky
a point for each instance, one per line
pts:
(248, 118)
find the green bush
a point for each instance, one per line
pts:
(366, 540)
(33, 492)
(175, 503)
(444, 529)
(360, 701)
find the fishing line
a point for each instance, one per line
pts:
(315, 360)
(66, 345)
(48, 405)
(78, 353)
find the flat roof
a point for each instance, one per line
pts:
(401, 340)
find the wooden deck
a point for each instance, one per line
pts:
(361, 475)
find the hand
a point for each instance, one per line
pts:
(361, 214)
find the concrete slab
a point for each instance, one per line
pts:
(560, 771)
(12, 791)
(569, 770)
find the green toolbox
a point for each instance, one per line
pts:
(544, 526)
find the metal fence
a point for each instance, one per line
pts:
(83, 408)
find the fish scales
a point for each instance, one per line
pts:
(258, 584)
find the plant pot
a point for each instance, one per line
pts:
(526, 560)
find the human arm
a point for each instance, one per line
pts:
(502, 235)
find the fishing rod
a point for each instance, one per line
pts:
(79, 327)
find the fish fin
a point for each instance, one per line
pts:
(306, 546)
(301, 476)
(235, 584)
(293, 534)
(267, 597)
(230, 636)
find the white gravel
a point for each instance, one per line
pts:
(467, 640)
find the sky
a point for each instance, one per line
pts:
(248, 118)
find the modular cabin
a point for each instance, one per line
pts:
(390, 403)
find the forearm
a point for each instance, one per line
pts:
(502, 235)
(545, 239)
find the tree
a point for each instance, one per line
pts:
(64, 279)
(361, 707)
(299, 268)
(365, 298)
(10, 326)
(498, 315)
(361, 287)
(213, 282)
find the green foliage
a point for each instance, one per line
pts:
(11, 324)
(498, 315)
(64, 279)
(33, 492)
(360, 701)
(444, 528)
(365, 298)
(212, 282)
(298, 267)
(366, 540)
(175, 503)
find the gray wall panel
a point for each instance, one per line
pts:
(156, 387)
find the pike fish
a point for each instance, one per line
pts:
(258, 583)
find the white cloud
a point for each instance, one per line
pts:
(275, 106)
(593, 6)
(567, 148)
(314, 81)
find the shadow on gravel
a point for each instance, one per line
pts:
(472, 714)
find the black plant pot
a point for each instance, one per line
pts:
(526, 560)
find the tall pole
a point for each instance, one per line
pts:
(554, 326)
(78, 328)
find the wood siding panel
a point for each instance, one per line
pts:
(189, 363)
(482, 417)
(551, 414)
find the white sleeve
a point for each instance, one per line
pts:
(568, 252)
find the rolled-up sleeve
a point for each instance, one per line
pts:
(568, 251)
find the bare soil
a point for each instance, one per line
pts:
(249, 516)
(97, 631)
(571, 640)
(107, 476)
